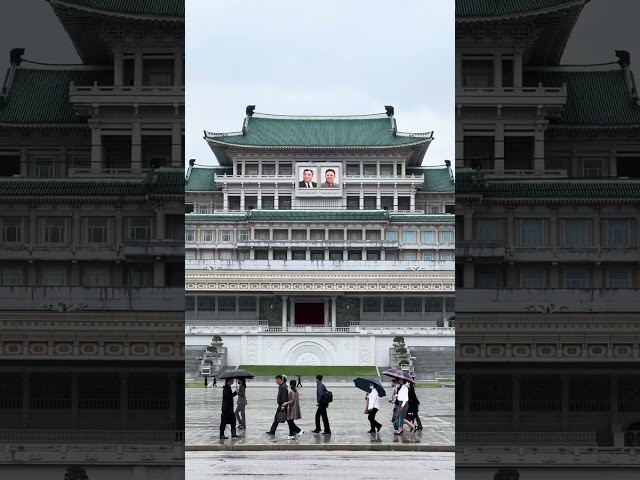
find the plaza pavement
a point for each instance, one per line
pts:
(348, 422)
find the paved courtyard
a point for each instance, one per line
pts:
(349, 425)
(314, 465)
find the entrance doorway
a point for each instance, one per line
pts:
(309, 314)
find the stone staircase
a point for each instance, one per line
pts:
(429, 360)
(191, 365)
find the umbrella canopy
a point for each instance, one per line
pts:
(237, 374)
(363, 384)
(395, 373)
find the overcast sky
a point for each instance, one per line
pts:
(338, 58)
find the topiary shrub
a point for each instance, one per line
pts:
(398, 339)
(401, 351)
(404, 362)
(76, 473)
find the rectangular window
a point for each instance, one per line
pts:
(409, 256)
(427, 237)
(140, 228)
(43, 166)
(446, 256)
(531, 232)
(369, 203)
(575, 279)
(391, 255)
(140, 277)
(373, 255)
(355, 255)
(286, 169)
(54, 229)
(96, 276)
(10, 229)
(268, 169)
(435, 210)
(336, 234)
(297, 255)
(98, 230)
(592, 167)
(226, 236)
(488, 279)
(617, 232)
(489, 230)
(189, 255)
(207, 255)
(391, 235)
(189, 236)
(477, 73)
(409, 236)
(188, 208)
(575, 232)
(532, 278)
(243, 255)
(354, 234)
(353, 169)
(369, 169)
(353, 203)
(427, 256)
(261, 254)
(252, 169)
(446, 237)
(284, 202)
(208, 236)
(243, 235)
(317, 255)
(386, 170)
(203, 209)
(12, 275)
(335, 255)
(279, 254)
(267, 203)
(225, 255)
(54, 276)
(618, 279)
(234, 204)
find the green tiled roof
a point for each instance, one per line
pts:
(202, 179)
(595, 98)
(569, 188)
(498, 8)
(309, 132)
(41, 96)
(164, 8)
(165, 182)
(215, 217)
(317, 215)
(421, 218)
(435, 179)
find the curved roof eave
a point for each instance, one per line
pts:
(424, 141)
(109, 13)
(522, 15)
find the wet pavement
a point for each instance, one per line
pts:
(348, 422)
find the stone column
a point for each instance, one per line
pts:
(378, 200)
(459, 73)
(242, 203)
(334, 320)
(284, 313)
(497, 69)
(118, 65)
(467, 233)
(564, 401)
(326, 312)
(538, 148)
(517, 70)
(176, 143)
(136, 146)
(178, 77)
(225, 201)
(124, 400)
(26, 399)
(412, 201)
(361, 200)
(96, 148)
(395, 200)
(498, 148)
(138, 77)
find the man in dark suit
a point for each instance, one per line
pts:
(228, 417)
(307, 179)
(283, 396)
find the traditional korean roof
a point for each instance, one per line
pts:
(264, 131)
(408, 218)
(161, 8)
(605, 98)
(501, 8)
(38, 96)
(193, 218)
(435, 179)
(202, 179)
(548, 188)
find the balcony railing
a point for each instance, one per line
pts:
(322, 244)
(478, 96)
(91, 436)
(526, 438)
(320, 265)
(102, 94)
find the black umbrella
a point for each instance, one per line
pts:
(363, 384)
(237, 374)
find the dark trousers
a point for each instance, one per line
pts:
(416, 420)
(322, 412)
(372, 419)
(293, 428)
(229, 419)
(275, 422)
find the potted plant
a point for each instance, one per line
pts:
(212, 349)
(398, 341)
(404, 363)
(401, 352)
(208, 361)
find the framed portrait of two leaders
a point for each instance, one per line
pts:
(319, 179)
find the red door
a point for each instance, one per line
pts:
(309, 314)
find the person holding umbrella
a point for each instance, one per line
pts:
(403, 407)
(227, 417)
(412, 413)
(372, 404)
(241, 404)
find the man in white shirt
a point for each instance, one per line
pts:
(373, 405)
(403, 399)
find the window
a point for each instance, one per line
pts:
(158, 79)
(286, 169)
(203, 209)
(392, 305)
(386, 203)
(391, 235)
(98, 230)
(252, 169)
(450, 209)
(140, 277)
(391, 255)
(54, 229)
(207, 255)
(575, 279)
(435, 210)
(617, 232)
(353, 169)
(575, 232)
(355, 255)
(262, 254)
(427, 237)
(354, 234)
(297, 255)
(268, 169)
(226, 236)
(243, 255)
(317, 255)
(489, 230)
(618, 279)
(189, 255)
(267, 203)
(10, 229)
(243, 235)
(532, 279)
(592, 167)
(336, 234)
(225, 255)
(284, 202)
(335, 255)
(12, 275)
(386, 170)
(409, 256)
(279, 254)
(404, 204)
(189, 236)
(409, 236)
(80, 161)
(208, 236)
(371, 305)
(188, 208)
(43, 166)
(373, 255)
(427, 256)
(353, 203)
(140, 228)
(477, 73)
(369, 170)
(446, 237)
(373, 235)
(487, 279)
(531, 232)
(9, 164)
(314, 234)
(446, 256)
(96, 276)
(54, 276)
(369, 203)
(234, 203)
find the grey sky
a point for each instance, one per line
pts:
(320, 58)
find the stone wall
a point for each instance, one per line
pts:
(345, 315)
(432, 359)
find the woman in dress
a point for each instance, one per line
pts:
(241, 404)
(293, 411)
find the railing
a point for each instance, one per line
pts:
(540, 405)
(50, 403)
(307, 329)
(10, 403)
(148, 404)
(91, 436)
(253, 329)
(589, 406)
(320, 265)
(324, 244)
(629, 406)
(125, 90)
(523, 427)
(491, 406)
(99, 403)
(394, 322)
(222, 322)
(525, 438)
(518, 93)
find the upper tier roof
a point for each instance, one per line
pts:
(502, 8)
(309, 133)
(40, 96)
(160, 8)
(435, 179)
(594, 98)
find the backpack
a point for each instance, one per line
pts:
(327, 397)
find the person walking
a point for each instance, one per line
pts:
(293, 411)
(373, 405)
(227, 417)
(322, 407)
(241, 404)
(215, 382)
(206, 381)
(394, 399)
(412, 412)
(403, 400)
(283, 397)
(299, 382)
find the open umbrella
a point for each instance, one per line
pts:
(395, 373)
(363, 384)
(237, 374)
